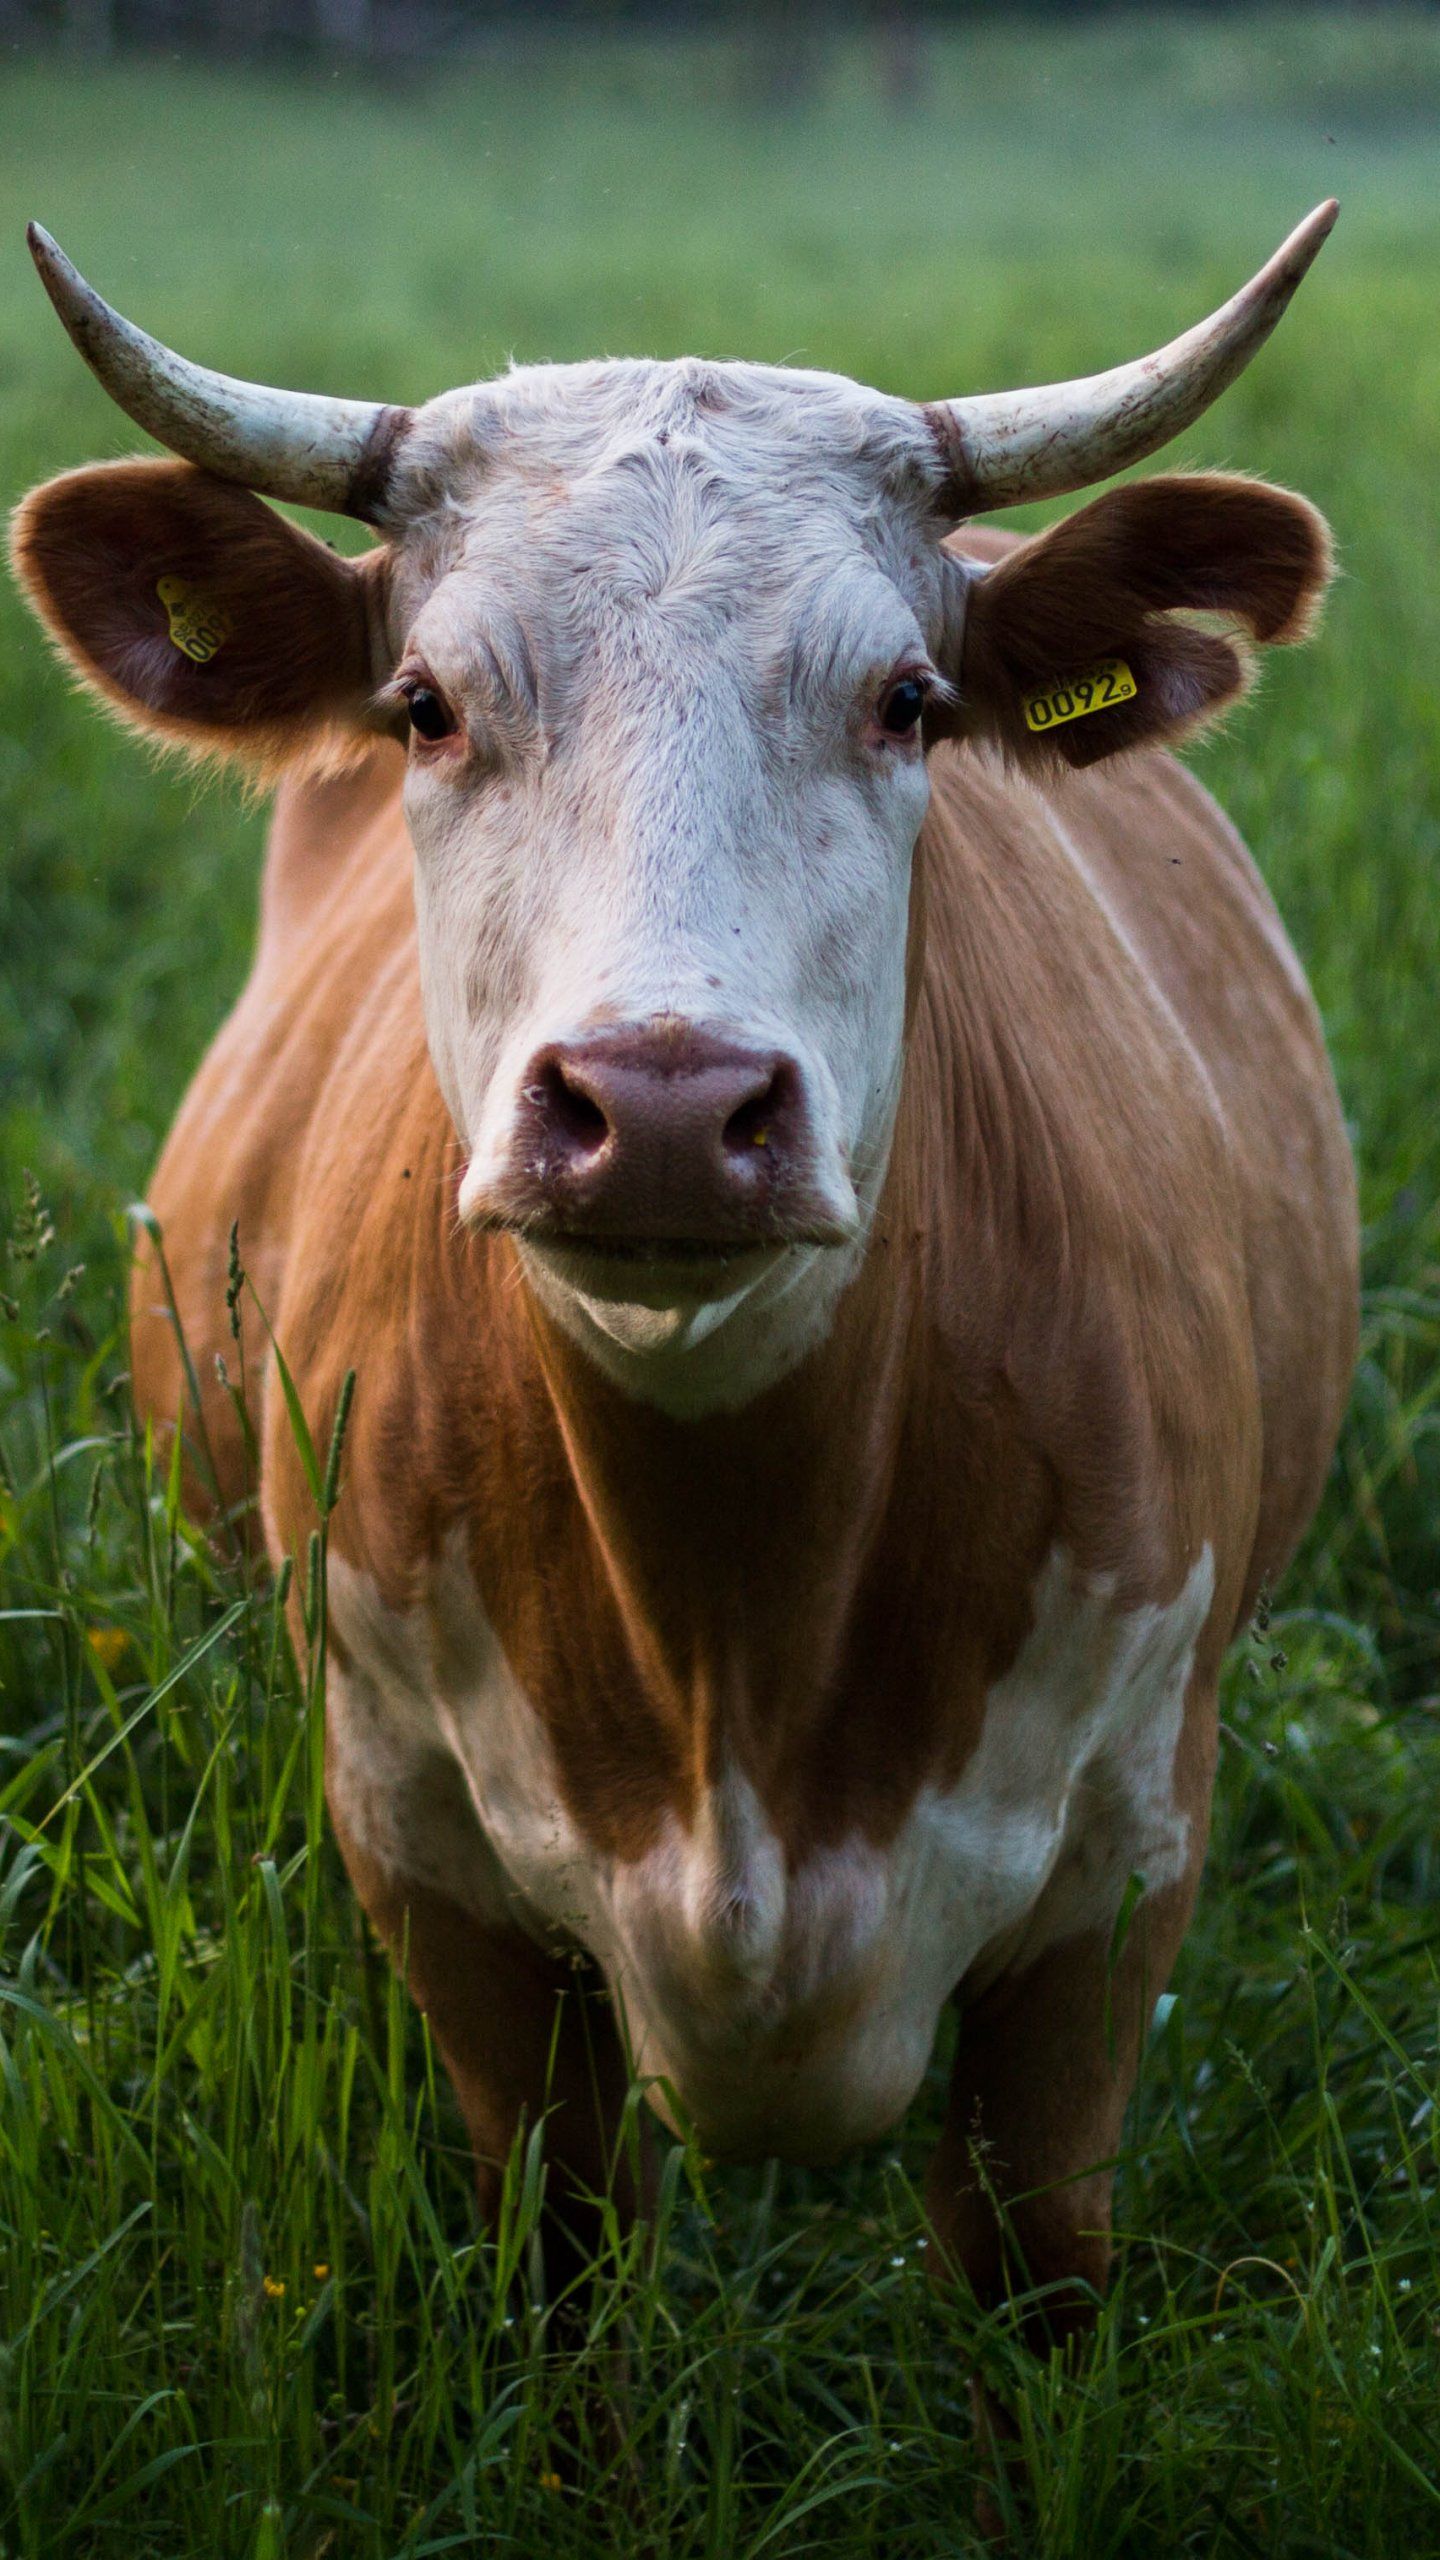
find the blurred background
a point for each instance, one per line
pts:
(786, 39)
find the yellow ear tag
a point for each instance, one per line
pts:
(1072, 697)
(198, 625)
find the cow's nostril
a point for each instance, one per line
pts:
(569, 1113)
(756, 1122)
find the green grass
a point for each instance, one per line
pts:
(208, 2087)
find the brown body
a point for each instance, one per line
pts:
(1108, 1309)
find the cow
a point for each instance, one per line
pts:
(806, 1125)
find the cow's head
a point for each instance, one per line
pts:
(667, 643)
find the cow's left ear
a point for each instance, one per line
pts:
(1119, 581)
(201, 616)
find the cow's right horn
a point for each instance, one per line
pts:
(298, 445)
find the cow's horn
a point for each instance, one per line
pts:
(289, 444)
(1006, 446)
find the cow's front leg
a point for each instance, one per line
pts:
(522, 2034)
(1019, 2189)
(1020, 2184)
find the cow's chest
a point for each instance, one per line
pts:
(789, 2007)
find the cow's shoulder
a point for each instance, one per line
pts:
(330, 1010)
(1112, 1030)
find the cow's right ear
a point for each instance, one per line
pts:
(1153, 595)
(200, 615)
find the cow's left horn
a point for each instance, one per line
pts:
(1006, 446)
(288, 444)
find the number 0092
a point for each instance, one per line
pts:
(1072, 697)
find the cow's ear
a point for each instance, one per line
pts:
(1117, 587)
(200, 615)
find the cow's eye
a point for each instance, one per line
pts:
(430, 714)
(900, 706)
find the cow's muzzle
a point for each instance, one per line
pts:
(664, 1141)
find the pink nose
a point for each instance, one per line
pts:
(666, 1132)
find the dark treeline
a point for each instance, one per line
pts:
(398, 30)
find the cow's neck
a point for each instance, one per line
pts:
(729, 1545)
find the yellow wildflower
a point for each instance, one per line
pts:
(109, 1646)
(274, 2287)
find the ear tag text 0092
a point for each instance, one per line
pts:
(198, 625)
(1072, 697)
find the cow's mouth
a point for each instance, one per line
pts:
(653, 1271)
(653, 1249)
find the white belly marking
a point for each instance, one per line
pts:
(787, 2011)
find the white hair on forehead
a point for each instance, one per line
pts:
(572, 419)
(657, 524)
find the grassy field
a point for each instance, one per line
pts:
(243, 2308)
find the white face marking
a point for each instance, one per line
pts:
(665, 600)
(790, 2012)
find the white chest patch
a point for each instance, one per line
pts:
(787, 2011)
